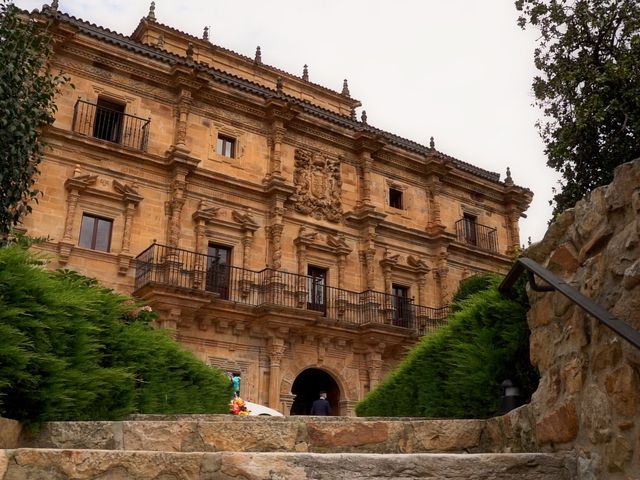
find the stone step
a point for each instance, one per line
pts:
(56, 464)
(265, 434)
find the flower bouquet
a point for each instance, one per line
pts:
(238, 407)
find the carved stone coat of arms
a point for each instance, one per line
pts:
(318, 186)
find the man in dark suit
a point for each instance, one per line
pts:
(321, 406)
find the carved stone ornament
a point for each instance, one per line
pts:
(418, 263)
(318, 186)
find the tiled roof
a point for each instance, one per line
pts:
(126, 42)
(249, 59)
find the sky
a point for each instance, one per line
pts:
(457, 70)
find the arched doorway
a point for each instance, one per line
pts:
(307, 387)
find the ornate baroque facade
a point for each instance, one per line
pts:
(276, 235)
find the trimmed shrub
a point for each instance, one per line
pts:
(456, 372)
(469, 286)
(72, 350)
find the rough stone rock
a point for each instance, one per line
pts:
(563, 259)
(510, 433)
(260, 466)
(244, 437)
(619, 453)
(559, 426)
(445, 435)
(10, 431)
(351, 437)
(623, 387)
(96, 435)
(606, 354)
(596, 414)
(162, 436)
(573, 376)
(4, 462)
(626, 181)
(49, 464)
(45, 464)
(540, 251)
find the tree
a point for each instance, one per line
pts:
(27, 91)
(588, 88)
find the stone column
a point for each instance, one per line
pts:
(277, 135)
(513, 230)
(374, 366)
(366, 162)
(276, 351)
(72, 202)
(173, 207)
(184, 106)
(434, 187)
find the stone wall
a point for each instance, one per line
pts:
(589, 393)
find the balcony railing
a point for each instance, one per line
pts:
(162, 265)
(112, 125)
(480, 236)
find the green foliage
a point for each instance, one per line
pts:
(456, 372)
(589, 88)
(72, 350)
(27, 92)
(469, 286)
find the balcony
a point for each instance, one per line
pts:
(110, 124)
(174, 267)
(480, 236)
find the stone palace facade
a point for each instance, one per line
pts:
(276, 235)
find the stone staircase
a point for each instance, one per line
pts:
(269, 448)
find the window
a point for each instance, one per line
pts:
(395, 198)
(218, 270)
(316, 285)
(108, 122)
(401, 306)
(226, 146)
(470, 224)
(95, 233)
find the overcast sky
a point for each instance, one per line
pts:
(457, 70)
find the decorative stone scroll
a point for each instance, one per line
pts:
(318, 186)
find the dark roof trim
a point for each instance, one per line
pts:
(220, 76)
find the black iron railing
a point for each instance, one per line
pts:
(176, 267)
(478, 235)
(533, 269)
(112, 125)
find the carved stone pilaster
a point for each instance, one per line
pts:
(275, 236)
(173, 207)
(277, 135)
(365, 191)
(131, 198)
(185, 101)
(276, 349)
(434, 187)
(74, 186)
(440, 274)
(368, 257)
(513, 229)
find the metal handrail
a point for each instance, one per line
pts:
(534, 269)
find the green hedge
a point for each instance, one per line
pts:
(72, 350)
(456, 372)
